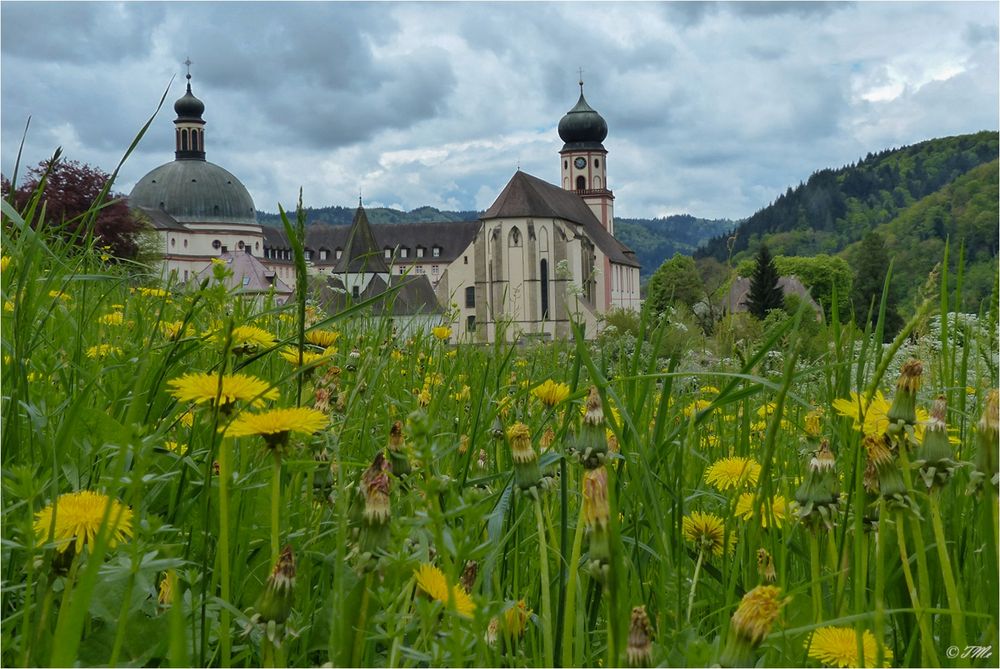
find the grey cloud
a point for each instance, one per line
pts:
(978, 33)
(801, 9)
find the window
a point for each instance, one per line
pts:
(465, 260)
(597, 163)
(515, 237)
(173, 242)
(435, 270)
(581, 183)
(404, 252)
(470, 324)
(185, 243)
(565, 164)
(356, 292)
(309, 254)
(323, 253)
(420, 251)
(544, 281)
(388, 253)
(436, 252)
(339, 253)
(470, 297)
(420, 269)
(185, 275)
(246, 281)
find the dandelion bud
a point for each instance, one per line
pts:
(935, 454)
(596, 512)
(751, 624)
(590, 444)
(509, 625)
(818, 494)
(527, 474)
(549, 436)
(397, 451)
(375, 488)
(168, 586)
(987, 432)
(765, 566)
(275, 602)
(640, 639)
(884, 469)
(904, 405)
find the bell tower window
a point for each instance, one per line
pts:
(581, 182)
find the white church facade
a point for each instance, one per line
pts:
(541, 255)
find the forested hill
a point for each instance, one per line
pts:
(835, 208)
(344, 215)
(657, 239)
(653, 239)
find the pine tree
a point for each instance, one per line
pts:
(872, 263)
(765, 293)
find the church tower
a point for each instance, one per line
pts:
(584, 160)
(189, 126)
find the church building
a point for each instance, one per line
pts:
(540, 255)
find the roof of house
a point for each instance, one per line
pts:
(408, 295)
(736, 300)
(249, 275)
(160, 219)
(528, 196)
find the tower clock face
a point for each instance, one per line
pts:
(580, 163)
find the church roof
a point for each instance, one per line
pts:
(195, 191)
(161, 220)
(361, 252)
(582, 127)
(528, 196)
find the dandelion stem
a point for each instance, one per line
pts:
(275, 506)
(926, 640)
(225, 641)
(879, 589)
(570, 618)
(817, 588)
(694, 583)
(543, 558)
(954, 601)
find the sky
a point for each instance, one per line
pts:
(713, 109)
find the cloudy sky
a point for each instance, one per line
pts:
(713, 108)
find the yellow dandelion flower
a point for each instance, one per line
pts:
(838, 647)
(396, 355)
(102, 351)
(708, 390)
(757, 611)
(198, 388)
(709, 440)
(696, 406)
(303, 420)
(308, 357)
(187, 418)
(779, 507)
(322, 338)
(59, 295)
(452, 353)
(4, 263)
(732, 472)
(812, 422)
(767, 409)
(876, 417)
(175, 447)
(114, 318)
(551, 393)
(78, 520)
(248, 338)
(441, 332)
(706, 531)
(152, 292)
(463, 395)
(424, 397)
(433, 583)
(8, 306)
(173, 330)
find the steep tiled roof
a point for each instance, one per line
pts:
(452, 237)
(249, 275)
(160, 219)
(414, 295)
(361, 252)
(528, 196)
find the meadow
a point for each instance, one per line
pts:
(195, 478)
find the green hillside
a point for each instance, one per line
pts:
(335, 215)
(965, 212)
(835, 208)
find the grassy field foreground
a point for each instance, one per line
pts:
(192, 478)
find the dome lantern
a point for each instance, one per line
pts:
(582, 127)
(189, 125)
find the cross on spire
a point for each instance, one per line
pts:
(581, 81)
(188, 63)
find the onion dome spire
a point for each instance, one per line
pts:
(582, 127)
(190, 126)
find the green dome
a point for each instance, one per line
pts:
(582, 127)
(195, 191)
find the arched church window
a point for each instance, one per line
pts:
(543, 279)
(581, 182)
(184, 140)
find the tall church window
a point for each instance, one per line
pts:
(470, 324)
(597, 163)
(581, 183)
(543, 276)
(470, 297)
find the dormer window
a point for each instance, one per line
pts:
(323, 254)
(420, 251)
(388, 253)
(339, 253)
(309, 254)
(404, 252)
(436, 251)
